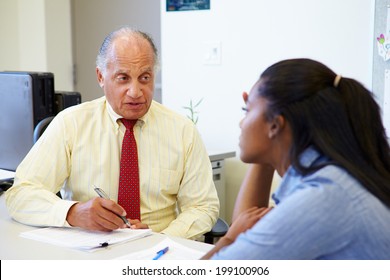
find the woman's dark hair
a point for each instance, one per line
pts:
(343, 121)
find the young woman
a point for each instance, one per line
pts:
(323, 134)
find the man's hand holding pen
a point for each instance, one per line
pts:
(102, 194)
(96, 214)
(100, 214)
(134, 224)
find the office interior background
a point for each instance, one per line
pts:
(210, 55)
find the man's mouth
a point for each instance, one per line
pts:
(135, 103)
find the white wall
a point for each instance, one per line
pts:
(32, 35)
(93, 20)
(58, 26)
(253, 35)
(36, 36)
(9, 29)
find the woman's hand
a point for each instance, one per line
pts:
(246, 220)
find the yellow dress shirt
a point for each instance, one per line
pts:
(82, 147)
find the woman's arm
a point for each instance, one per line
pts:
(244, 221)
(255, 189)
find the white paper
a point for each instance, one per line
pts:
(83, 239)
(176, 251)
(5, 174)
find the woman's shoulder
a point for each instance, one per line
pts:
(329, 182)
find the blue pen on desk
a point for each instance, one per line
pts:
(161, 253)
(102, 194)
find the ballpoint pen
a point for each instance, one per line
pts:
(161, 253)
(102, 194)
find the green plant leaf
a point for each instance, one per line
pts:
(191, 108)
(200, 101)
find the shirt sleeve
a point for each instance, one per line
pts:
(32, 199)
(197, 198)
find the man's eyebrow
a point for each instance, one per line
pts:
(147, 69)
(121, 71)
(127, 72)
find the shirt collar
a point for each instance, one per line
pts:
(292, 177)
(309, 156)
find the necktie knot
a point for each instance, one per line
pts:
(129, 124)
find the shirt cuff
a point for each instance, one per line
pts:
(63, 209)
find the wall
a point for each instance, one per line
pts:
(32, 35)
(252, 35)
(93, 20)
(59, 42)
(9, 26)
(36, 36)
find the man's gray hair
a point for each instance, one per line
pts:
(101, 59)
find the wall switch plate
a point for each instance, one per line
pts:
(212, 52)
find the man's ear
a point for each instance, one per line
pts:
(100, 77)
(276, 126)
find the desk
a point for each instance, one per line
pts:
(14, 247)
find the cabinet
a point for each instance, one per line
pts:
(218, 165)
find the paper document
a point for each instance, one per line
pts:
(77, 238)
(176, 251)
(5, 174)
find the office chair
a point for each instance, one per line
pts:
(219, 229)
(40, 128)
(38, 131)
(5, 184)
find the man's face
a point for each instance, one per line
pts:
(128, 81)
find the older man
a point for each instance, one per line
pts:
(82, 147)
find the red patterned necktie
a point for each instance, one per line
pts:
(128, 193)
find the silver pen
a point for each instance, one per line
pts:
(102, 194)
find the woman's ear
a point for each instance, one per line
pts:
(276, 126)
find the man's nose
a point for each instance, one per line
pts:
(134, 90)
